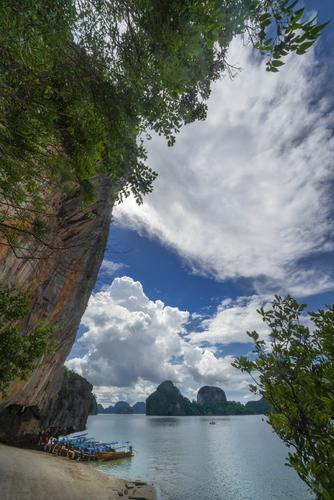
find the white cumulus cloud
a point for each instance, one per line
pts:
(132, 343)
(232, 320)
(128, 336)
(109, 267)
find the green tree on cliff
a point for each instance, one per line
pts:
(295, 375)
(82, 81)
(19, 354)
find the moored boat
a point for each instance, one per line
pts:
(113, 455)
(84, 448)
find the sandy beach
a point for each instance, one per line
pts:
(34, 475)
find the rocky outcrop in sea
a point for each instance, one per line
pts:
(209, 395)
(167, 400)
(122, 407)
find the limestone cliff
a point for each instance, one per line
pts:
(124, 408)
(60, 282)
(74, 402)
(210, 395)
(120, 407)
(168, 400)
(68, 412)
(139, 407)
(257, 407)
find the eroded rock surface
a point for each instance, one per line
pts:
(210, 395)
(74, 402)
(60, 284)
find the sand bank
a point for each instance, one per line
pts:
(34, 475)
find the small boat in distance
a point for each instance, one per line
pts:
(212, 422)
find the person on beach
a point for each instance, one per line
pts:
(46, 443)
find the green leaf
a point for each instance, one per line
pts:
(272, 69)
(264, 17)
(277, 63)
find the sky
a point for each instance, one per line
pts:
(241, 210)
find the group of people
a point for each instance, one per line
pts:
(52, 444)
(47, 442)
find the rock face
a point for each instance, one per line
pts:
(167, 400)
(257, 407)
(74, 402)
(60, 284)
(123, 407)
(68, 412)
(139, 407)
(210, 396)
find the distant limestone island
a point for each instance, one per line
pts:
(167, 400)
(122, 407)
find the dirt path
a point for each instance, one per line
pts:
(34, 475)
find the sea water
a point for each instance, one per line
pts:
(238, 458)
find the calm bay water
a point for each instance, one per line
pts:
(239, 458)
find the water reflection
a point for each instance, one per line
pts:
(163, 421)
(239, 458)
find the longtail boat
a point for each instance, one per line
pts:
(107, 451)
(85, 448)
(112, 455)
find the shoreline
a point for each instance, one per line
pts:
(36, 475)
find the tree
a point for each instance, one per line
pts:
(169, 52)
(294, 372)
(81, 82)
(19, 354)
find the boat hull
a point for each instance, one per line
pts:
(112, 455)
